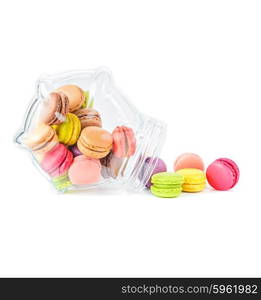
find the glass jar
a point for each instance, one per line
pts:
(115, 110)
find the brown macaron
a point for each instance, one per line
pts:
(89, 117)
(111, 165)
(42, 139)
(75, 95)
(95, 142)
(54, 109)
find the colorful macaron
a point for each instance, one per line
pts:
(111, 165)
(61, 183)
(194, 180)
(124, 142)
(166, 184)
(88, 117)
(85, 170)
(57, 161)
(75, 95)
(75, 151)
(86, 99)
(42, 139)
(188, 161)
(69, 131)
(54, 108)
(159, 167)
(95, 142)
(223, 174)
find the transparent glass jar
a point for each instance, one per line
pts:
(115, 110)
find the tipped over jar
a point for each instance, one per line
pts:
(83, 133)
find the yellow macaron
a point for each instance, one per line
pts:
(194, 180)
(69, 131)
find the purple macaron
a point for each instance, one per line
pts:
(75, 151)
(159, 167)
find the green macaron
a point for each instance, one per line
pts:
(166, 184)
(61, 183)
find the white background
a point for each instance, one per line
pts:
(194, 64)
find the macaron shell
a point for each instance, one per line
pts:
(159, 168)
(165, 193)
(91, 122)
(76, 129)
(63, 168)
(91, 153)
(222, 174)
(111, 165)
(65, 105)
(65, 130)
(88, 117)
(130, 141)
(188, 161)
(86, 99)
(50, 106)
(234, 168)
(167, 178)
(61, 183)
(75, 95)
(124, 142)
(166, 184)
(48, 146)
(54, 108)
(75, 151)
(192, 176)
(97, 137)
(69, 131)
(193, 188)
(42, 139)
(84, 170)
(95, 142)
(57, 161)
(118, 147)
(93, 160)
(53, 159)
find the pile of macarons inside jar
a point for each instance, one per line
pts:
(190, 176)
(70, 144)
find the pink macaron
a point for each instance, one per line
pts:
(57, 161)
(188, 161)
(223, 174)
(84, 170)
(124, 142)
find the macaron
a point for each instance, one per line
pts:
(124, 142)
(194, 180)
(84, 170)
(166, 184)
(95, 142)
(54, 108)
(86, 99)
(42, 139)
(188, 161)
(160, 166)
(223, 174)
(111, 165)
(75, 151)
(61, 183)
(88, 117)
(69, 131)
(75, 95)
(57, 161)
